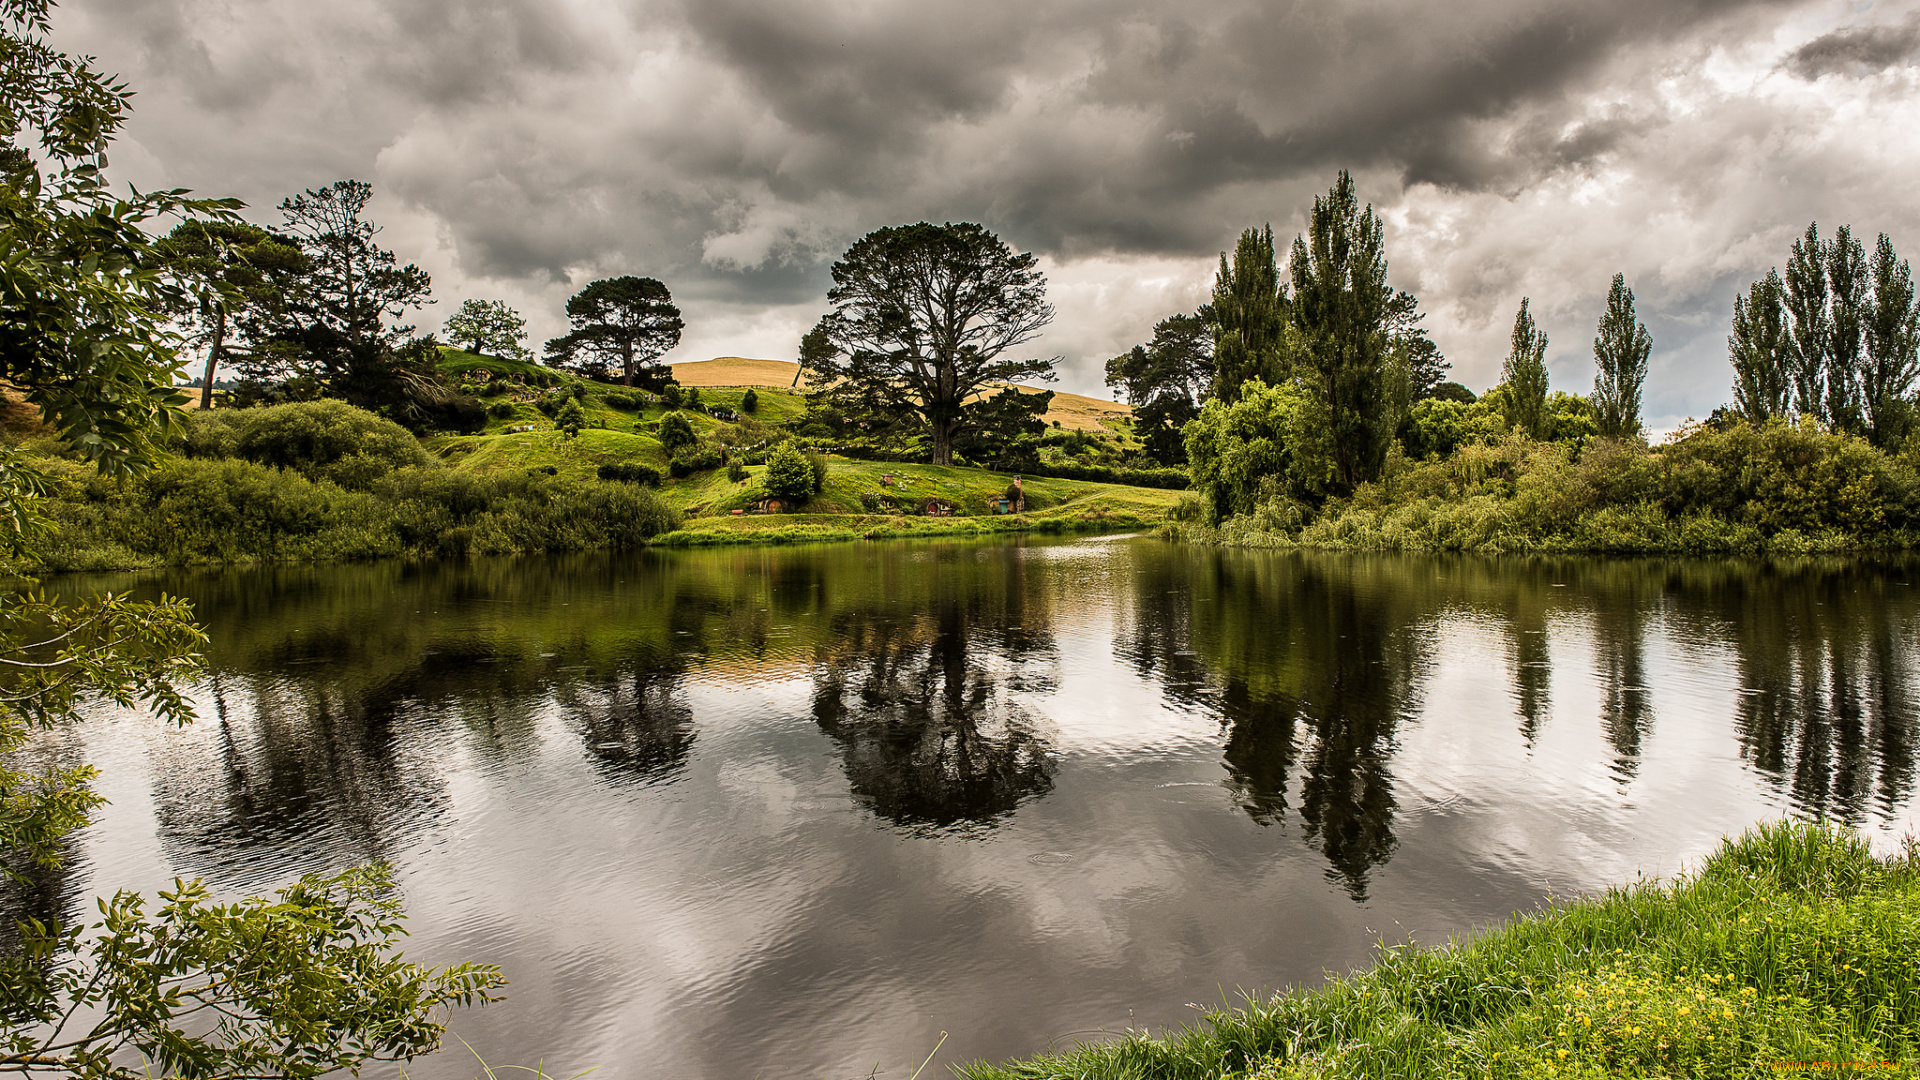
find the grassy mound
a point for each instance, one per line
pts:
(1793, 949)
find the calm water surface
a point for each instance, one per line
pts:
(794, 812)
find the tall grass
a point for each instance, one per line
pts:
(1793, 945)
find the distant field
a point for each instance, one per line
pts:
(1071, 410)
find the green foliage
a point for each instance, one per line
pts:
(1620, 364)
(788, 476)
(696, 457)
(321, 440)
(736, 470)
(922, 317)
(632, 472)
(1761, 348)
(570, 418)
(1167, 379)
(1271, 443)
(1892, 347)
(489, 327)
(1000, 431)
(1792, 943)
(1341, 304)
(628, 321)
(750, 401)
(305, 984)
(1525, 376)
(1248, 317)
(817, 469)
(503, 410)
(676, 431)
(241, 280)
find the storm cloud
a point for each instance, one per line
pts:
(733, 148)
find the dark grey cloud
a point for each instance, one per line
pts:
(1856, 50)
(734, 147)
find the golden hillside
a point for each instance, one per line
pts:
(1071, 410)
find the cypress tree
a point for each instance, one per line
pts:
(1248, 315)
(1892, 346)
(1761, 347)
(1340, 306)
(1525, 374)
(1620, 358)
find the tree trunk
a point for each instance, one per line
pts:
(942, 431)
(213, 358)
(626, 367)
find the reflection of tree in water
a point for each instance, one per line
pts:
(918, 697)
(1826, 708)
(1626, 708)
(1313, 665)
(638, 726)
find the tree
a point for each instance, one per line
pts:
(1000, 430)
(1893, 348)
(571, 417)
(1340, 307)
(489, 327)
(1806, 301)
(675, 432)
(1761, 347)
(1525, 376)
(1426, 367)
(789, 477)
(922, 315)
(626, 320)
(301, 985)
(750, 401)
(1849, 301)
(241, 279)
(1166, 380)
(1620, 359)
(345, 315)
(1248, 316)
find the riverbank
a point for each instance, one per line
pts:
(1792, 949)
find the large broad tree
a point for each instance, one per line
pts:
(923, 315)
(488, 327)
(1620, 355)
(242, 280)
(300, 985)
(1525, 374)
(1166, 380)
(628, 322)
(1341, 307)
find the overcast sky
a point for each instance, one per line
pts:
(734, 148)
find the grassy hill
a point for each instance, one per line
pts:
(860, 498)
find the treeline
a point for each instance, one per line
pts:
(325, 481)
(1309, 408)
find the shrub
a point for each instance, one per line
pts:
(736, 472)
(788, 475)
(817, 463)
(321, 440)
(675, 432)
(673, 395)
(632, 472)
(698, 457)
(749, 401)
(571, 418)
(623, 402)
(503, 410)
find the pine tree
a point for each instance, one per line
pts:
(1761, 347)
(1249, 315)
(1620, 357)
(1525, 374)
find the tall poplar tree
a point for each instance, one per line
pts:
(1893, 348)
(1525, 374)
(1806, 302)
(1340, 307)
(1620, 359)
(1248, 315)
(1761, 347)
(1848, 304)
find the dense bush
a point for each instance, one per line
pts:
(632, 472)
(698, 457)
(675, 432)
(788, 475)
(502, 410)
(320, 440)
(749, 401)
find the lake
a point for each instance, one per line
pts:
(782, 812)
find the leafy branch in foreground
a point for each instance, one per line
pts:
(299, 985)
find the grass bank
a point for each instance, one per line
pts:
(1792, 951)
